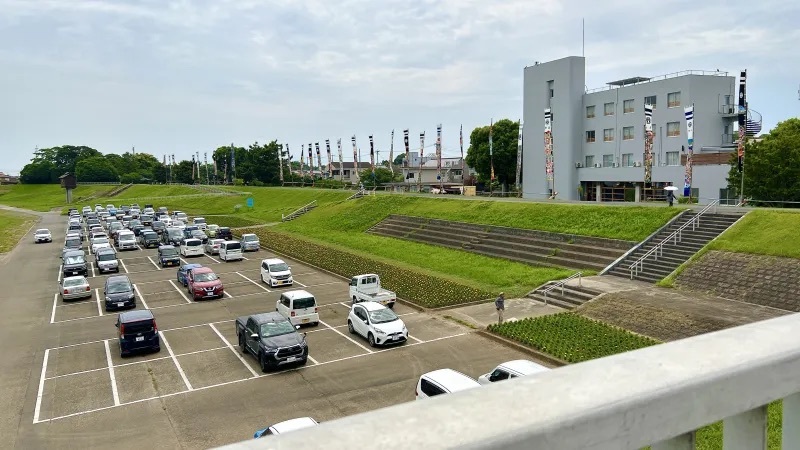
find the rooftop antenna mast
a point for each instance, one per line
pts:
(583, 38)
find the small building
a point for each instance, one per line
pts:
(68, 181)
(454, 171)
(8, 179)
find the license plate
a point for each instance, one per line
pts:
(209, 294)
(121, 304)
(74, 273)
(291, 359)
(305, 320)
(394, 338)
(139, 338)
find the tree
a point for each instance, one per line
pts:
(382, 175)
(94, 169)
(57, 161)
(771, 166)
(39, 172)
(399, 159)
(504, 139)
(133, 177)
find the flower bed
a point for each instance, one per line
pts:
(571, 337)
(415, 286)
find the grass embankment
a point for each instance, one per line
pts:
(574, 338)
(772, 233)
(44, 197)
(13, 227)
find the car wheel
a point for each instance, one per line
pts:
(263, 363)
(242, 346)
(157, 349)
(391, 305)
(355, 300)
(371, 340)
(350, 327)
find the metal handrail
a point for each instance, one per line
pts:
(561, 284)
(300, 210)
(676, 236)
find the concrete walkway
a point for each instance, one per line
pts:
(481, 315)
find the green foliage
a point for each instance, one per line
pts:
(382, 175)
(13, 227)
(231, 220)
(39, 172)
(764, 233)
(133, 177)
(571, 337)
(95, 168)
(399, 159)
(422, 288)
(504, 149)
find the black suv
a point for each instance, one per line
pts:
(224, 233)
(119, 293)
(168, 256)
(137, 331)
(149, 238)
(74, 264)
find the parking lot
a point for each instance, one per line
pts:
(84, 385)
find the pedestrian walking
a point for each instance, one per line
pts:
(500, 304)
(670, 197)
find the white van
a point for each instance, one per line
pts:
(300, 307)
(126, 240)
(443, 381)
(191, 247)
(230, 251)
(200, 223)
(275, 272)
(512, 369)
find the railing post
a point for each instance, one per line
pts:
(791, 421)
(682, 442)
(746, 431)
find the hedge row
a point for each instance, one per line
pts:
(415, 286)
(232, 221)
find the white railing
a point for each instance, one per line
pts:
(676, 236)
(561, 284)
(299, 211)
(661, 77)
(654, 396)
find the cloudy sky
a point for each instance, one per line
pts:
(173, 76)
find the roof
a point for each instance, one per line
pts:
(105, 250)
(191, 265)
(136, 314)
(273, 261)
(524, 367)
(372, 306)
(202, 269)
(453, 380)
(351, 164)
(298, 293)
(76, 277)
(294, 424)
(627, 81)
(273, 316)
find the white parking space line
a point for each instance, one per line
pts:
(139, 248)
(301, 284)
(114, 391)
(235, 352)
(180, 291)
(141, 297)
(212, 258)
(325, 284)
(154, 263)
(99, 307)
(39, 394)
(313, 360)
(345, 336)
(60, 271)
(419, 341)
(227, 294)
(254, 282)
(123, 265)
(184, 261)
(175, 360)
(347, 305)
(53, 314)
(92, 267)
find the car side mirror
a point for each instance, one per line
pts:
(297, 327)
(116, 324)
(254, 336)
(366, 321)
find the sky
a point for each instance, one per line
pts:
(179, 77)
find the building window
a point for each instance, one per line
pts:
(608, 135)
(456, 173)
(673, 99)
(627, 133)
(651, 100)
(627, 160)
(673, 159)
(608, 160)
(589, 160)
(590, 136)
(608, 109)
(590, 112)
(347, 173)
(673, 129)
(410, 175)
(627, 106)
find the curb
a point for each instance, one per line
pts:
(523, 348)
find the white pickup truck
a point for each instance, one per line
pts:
(367, 288)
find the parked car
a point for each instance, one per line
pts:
(200, 222)
(199, 234)
(137, 229)
(147, 220)
(126, 240)
(168, 256)
(173, 236)
(367, 288)
(286, 426)
(188, 229)
(149, 238)
(119, 293)
(202, 282)
(42, 235)
(276, 272)
(98, 243)
(191, 247)
(105, 259)
(250, 242)
(78, 229)
(178, 224)
(272, 340)
(300, 307)
(137, 331)
(512, 369)
(379, 324)
(183, 270)
(224, 233)
(74, 288)
(74, 264)
(211, 230)
(211, 246)
(230, 251)
(443, 381)
(159, 227)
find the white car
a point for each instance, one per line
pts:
(98, 243)
(73, 288)
(443, 381)
(178, 224)
(191, 247)
(379, 324)
(250, 242)
(300, 307)
(286, 426)
(276, 272)
(42, 235)
(212, 246)
(512, 369)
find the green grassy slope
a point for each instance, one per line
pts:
(771, 233)
(44, 197)
(13, 227)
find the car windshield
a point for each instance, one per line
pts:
(201, 277)
(250, 238)
(101, 241)
(174, 233)
(270, 329)
(197, 233)
(42, 231)
(193, 243)
(107, 256)
(69, 282)
(118, 287)
(282, 267)
(127, 237)
(199, 220)
(150, 235)
(74, 242)
(383, 315)
(74, 259)
(169, 252)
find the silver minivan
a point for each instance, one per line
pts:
(230, 251)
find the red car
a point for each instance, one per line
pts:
(203, 283)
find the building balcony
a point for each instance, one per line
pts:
(654, 396)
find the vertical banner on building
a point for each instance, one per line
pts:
(356, 168)
(421, 157)
(341, 160)
(289, 161)
(742, 118)
(302, 160)
(372, 157)
(461, 144)
(310, 161)
(548, 150)
(688, 112)
(491, 148)
(280, 162)
(408, 154)
(648, 145)
(199, 177)
(328, 149)
(439, 153)
(391, 154)
(319, 159)
(519, 158)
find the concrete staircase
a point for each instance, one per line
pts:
(119, 190)
(525, 246)
(570, 297)
(674, 254)
(359, 193)
(299, 212)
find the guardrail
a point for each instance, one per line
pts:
(676, 236)
(561, 284)
(654, 396)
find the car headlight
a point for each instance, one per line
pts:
(108, 299)
(379, 331)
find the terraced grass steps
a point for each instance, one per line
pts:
(569, 297)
